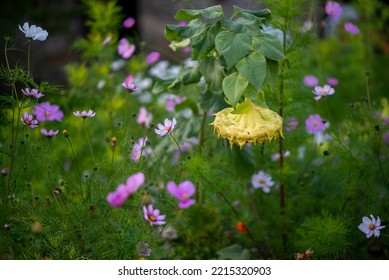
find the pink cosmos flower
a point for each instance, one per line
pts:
(107, 40)
(262, 180)
(34, 32)
(50, 133)
(153, 215)
(152, 57)
(371, 226)
(314, 124)
(291, 124)
(131, 87)
(144, 117)
(28, 120)
(129, 22)
(140, 148)
(172, 102)
(4, 171)
(48, 112)
(323, 91)
(351, 28)
(166, 128)
(125, 49)
(84, 114)
(182, 192)
(310, 81)
(332, 81)
(32, 92)
(333, 9)
(122, 192)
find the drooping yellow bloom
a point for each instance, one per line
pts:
(248, 123)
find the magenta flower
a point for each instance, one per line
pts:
(32, 92)
(50, 133)
(4, 171)
(386, 137)
(144, 117)
(166, 128)
(122, 192)
(129, 22)
(28, 120)
(172, 102)
(48, 112)
(262, 180)
(152, 57)
(351, 28)
(131, 87)
(310, 81)
(333, 9)
(85, 114)
(314, 124)
(323, 91)
(332, 81)
(153, 215)
(125, 49)
(291, 124)
(371, 226)
(182, 192)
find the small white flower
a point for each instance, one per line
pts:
(370, 227)
(322, 91)
(34, 32)
(262, 180)
(166, 128)
(84, 114)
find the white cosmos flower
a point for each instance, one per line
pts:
(262, 180)
(371, 226)
(34, 32)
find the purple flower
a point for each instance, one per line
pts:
(129, 22)
(153, 215)
(323, 91)
(107, 40)
(314, 124)
(50, 133)
(332, 81)
(131, 87)
(144, 117)
(125, 49)
(371, 226)
(48, 112)
(84, 114)
(152, 57)
(333, 9)
(351, 28)
(310, 81)
(143, 249)
(182, 192)
(28, 120)
(386, 137)
(262, 180)
(122, 192)
(32, 92)
(172, 102)
(4, 171)
(291, 124)
(276, 156)
(166, 128)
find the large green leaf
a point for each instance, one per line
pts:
(269, 46)
(266, 13)
(178, 32)
(210, 12)
(253, 68)
(272, 72)
(204, 41)
(211, 70)
(233, 47)
(234, 85)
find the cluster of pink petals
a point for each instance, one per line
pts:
(314, 124)
(310, 80)
(153, 215)
(46, 111)
(172, 102)
(122, 192)
(333, 9)
(262, 180)
(152, 57)
(50, 133)
(129, 22)
(28, 120)
(144, 117)
(182, 192)
(291, 124)
(125, 49)
(84, 114)
(140, 148)
(351, 28)
(32, 93)
(166, 128)
(332, 81)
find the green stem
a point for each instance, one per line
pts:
(28, 56)
(90, 146)
(75, 163)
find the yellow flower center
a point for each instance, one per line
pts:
(152, 218)
(324, 92)
(371, 226)
(249, 123)
(47, 114)
(185, 196)
(262, 181)
(168, 129)
(27, 121)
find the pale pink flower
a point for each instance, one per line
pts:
(310, 81)
(166, 128)
(371, 226)
(152, 57)
(85, 114)
(333, 9)
(153, 215)
(107, 40)
(129, 22)
(28, 120)
(46, 111)
(125, 49)
(144, 117)
(332, 81)
(50, 133)
(122, 192)
(262, 180)
(323, 91)
(32, 92)
(314, 124)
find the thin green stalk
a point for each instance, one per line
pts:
(75, 163)
(28, 56)
(368, 90)
(90, 146)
